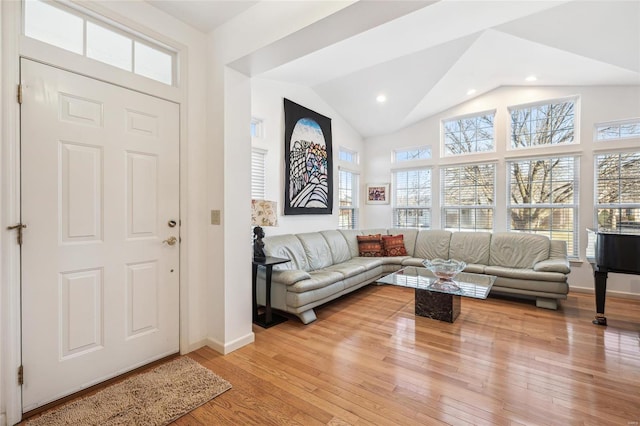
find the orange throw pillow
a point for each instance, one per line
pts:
(370, 245)
(393, 245)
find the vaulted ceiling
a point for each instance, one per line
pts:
(435, 55)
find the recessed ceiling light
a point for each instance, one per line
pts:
(531, 78)
(471, 91)
(381, 99)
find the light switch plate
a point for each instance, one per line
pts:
(215, 217)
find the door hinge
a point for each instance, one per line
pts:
(21, 375)
(19, 94)
(19, 227)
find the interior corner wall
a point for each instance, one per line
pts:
(596, 104)
(267, 104)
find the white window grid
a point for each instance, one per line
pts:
(142, 55)
(258, 174)
(617, 130)
(561, 217)
(412, 198)
(469, 134)
(411, 154)
(617, 191)
(348, 155)
(468, 197)
(348, 194)
(543, 124)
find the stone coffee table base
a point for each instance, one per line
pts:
(436, 305)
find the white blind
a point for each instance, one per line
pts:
(258, 178)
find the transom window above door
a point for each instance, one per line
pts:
(69, 29)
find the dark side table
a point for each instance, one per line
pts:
(268, 318)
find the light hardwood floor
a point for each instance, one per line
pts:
(369, 360)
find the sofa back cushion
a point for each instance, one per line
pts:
(409, 236)
(317, 250)
(289, 247)
(350, 236)
(338, 245)
(517, 249)
(432, 244)
(470, 247)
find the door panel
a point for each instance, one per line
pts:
(100, 181)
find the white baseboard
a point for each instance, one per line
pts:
(621, 294)
(231, 346)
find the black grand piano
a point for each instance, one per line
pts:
(611, 251)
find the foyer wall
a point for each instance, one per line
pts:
(595, 105)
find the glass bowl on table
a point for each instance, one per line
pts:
(445, 271)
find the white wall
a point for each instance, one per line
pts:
(267, 105)
(596, 104)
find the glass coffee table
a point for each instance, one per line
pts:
(438, 299)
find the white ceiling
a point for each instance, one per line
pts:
(427, 59)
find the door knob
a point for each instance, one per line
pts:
(171, 241)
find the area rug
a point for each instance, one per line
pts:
(155, 397)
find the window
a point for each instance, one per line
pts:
(618, 130)
(543, 198)
(258, 178)
(348, 198)
(547, 124)
(420, 153)
(68, 29)
(347, 155)
(257, 128)
(617, 186)
(468, 194)
(412, 198)
(469, 134)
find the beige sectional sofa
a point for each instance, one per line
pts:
(326, 265)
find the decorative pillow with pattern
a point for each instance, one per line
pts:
(370, 245)
(393, 245)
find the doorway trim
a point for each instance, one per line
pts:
(10, 285)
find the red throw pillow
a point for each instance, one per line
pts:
(370, 245)
(393, 245)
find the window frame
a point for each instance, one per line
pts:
(426, 148)
(419, 210)
(576, 123)
(574, 205)
(476, 116)
(354, 155)
(460, 206)
(618, 124)
(596, 195)
(353, 208)
(261, 193)
(134, 36)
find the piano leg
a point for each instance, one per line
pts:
(601, 293)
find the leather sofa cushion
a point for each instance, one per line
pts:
(432, 244)
(410, 235)
(318, 279)
(317, 250)
(524, 274)
(470, 247)
(288, 247)
(338, 245)
(347, 269)
(350, 236)
(518, 250)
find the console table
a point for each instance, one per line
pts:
(268, 318)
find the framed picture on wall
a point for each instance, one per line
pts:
(378, 193)
(308, 187)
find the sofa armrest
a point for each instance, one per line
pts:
(553, 265)
(290, 276)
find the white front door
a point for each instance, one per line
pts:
(100, 194)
